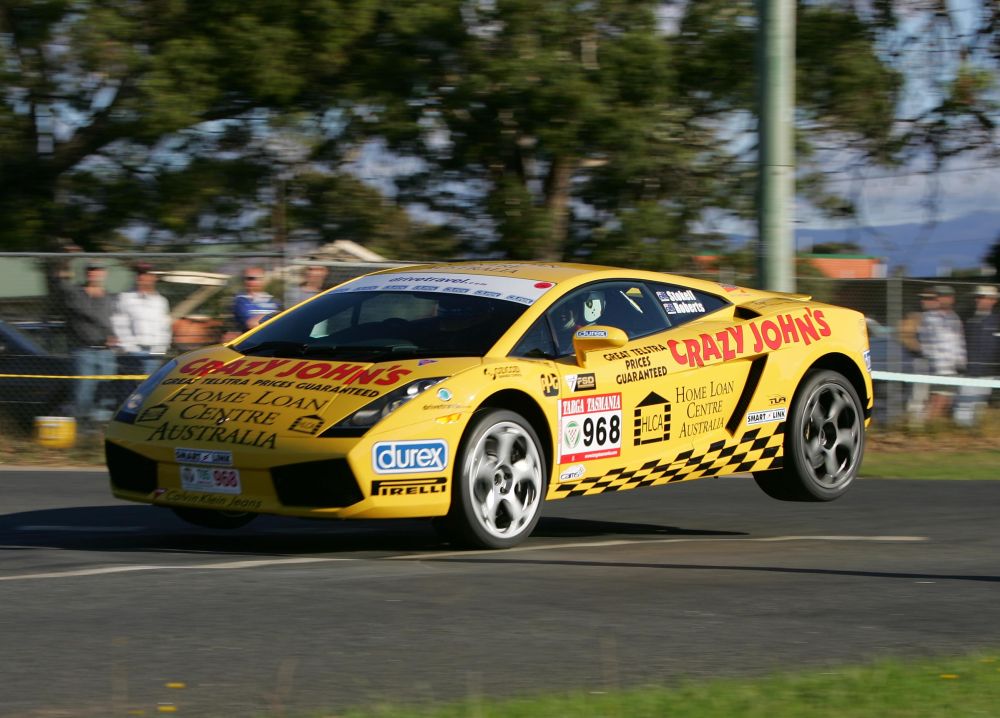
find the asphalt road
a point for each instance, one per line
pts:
(110, 608)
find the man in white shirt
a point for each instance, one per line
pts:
(142, 320)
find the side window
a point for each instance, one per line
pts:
(537, 342)
(629, 306)
(682, 304)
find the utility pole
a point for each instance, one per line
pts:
(776, 153)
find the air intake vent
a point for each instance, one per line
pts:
(130, 471)
(316, 484)
(745, 313)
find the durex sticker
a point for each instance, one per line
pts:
(410, 457)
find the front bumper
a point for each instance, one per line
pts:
(315, 478)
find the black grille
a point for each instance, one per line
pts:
(130, 471)
(314, 484)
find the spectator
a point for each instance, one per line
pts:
(254, 305)
(982, 339)
(142, 321)
(909, 337)
(314, 282)
(942, 343)
(89, 308)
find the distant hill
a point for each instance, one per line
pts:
(921, 250)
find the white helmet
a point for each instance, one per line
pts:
(593, 307)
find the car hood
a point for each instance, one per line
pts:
(275, 397)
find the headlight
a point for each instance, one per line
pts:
(130, 409)
(370, 414)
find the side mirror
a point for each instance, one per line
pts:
(596, 338)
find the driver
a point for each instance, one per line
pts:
(593, 307)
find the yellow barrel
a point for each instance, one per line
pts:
(57, 432)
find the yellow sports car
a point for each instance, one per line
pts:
(472, 391)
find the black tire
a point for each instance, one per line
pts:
(499, 482)
(824, 441)
(210, 519)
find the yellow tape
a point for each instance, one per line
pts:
(109, 377)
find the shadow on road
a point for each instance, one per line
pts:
(140, 529)
(721, 567)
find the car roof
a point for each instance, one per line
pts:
(564, 273)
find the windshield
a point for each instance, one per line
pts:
(382, 326)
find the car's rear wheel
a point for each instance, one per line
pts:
(499, 482)
(207, 518)
(824, 441)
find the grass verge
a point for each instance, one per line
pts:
(941, 464)
(968, 686)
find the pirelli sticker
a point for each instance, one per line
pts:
(409, 487)
(590, 428)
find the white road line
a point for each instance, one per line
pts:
(223, 566)
(257, 563)
(643, 542)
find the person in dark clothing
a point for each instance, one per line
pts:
(982, 340)
(89, 309)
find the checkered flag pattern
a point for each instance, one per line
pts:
(759, 449)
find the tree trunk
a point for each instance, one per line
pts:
(557, 195)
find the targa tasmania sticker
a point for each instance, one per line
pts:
(590, 428)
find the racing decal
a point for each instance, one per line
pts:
(590, 428)
(501, 372)
(868, 360)
(651, 420)
(208, 457)
(591, 334)
(581, 382)
(240, 371)
(152, 413)
(572, 473)
(550, 385)
(642, 370)
(499, 267)
(759, 449)
(221, 502)
(211, 479)
(511, 289)
(257, 438)
(767, 334)
(704, 407)
(264, 398)
(409, 487)
(765, 417)
(625, 354)
(309, 424)
(410, 457)
(680, 302)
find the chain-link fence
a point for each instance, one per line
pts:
(40, 349)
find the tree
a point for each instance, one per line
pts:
(537, 106)
(96, 91)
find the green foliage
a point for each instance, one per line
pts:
(131, 77)
(553, 129)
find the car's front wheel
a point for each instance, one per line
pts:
(207, 518)
(499, 482)
(824, 441)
